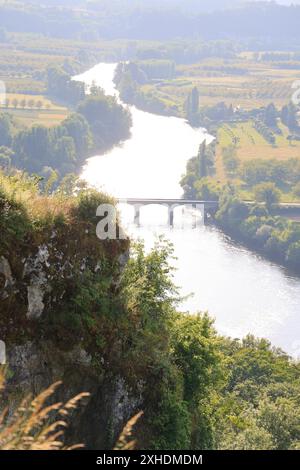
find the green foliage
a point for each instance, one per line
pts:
(267, 193)
(258, 408)
(65, 147)
(207, 190)
(265, 131)
(231, 211)
(276, 237)
(87, 202)
(199, 390)
(60, 85)
(289, 116)
(6, 129)
(192, 106)
(6, 156)
(293, 254)
(157, 69)
(282, 173)
(109, 121)
(14, 221)
(230, 159)
(195, 183)
(271, 115)
(129, 77)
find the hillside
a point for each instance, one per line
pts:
(83, 311)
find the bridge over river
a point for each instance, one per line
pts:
(289, 210)
(205, 207)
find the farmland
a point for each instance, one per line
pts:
(248, 144)
(244, 81)
(29, 110)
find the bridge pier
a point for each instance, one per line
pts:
(137, 211)
(205, 217)
(171, 216)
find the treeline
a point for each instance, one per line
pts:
(256, 24)
(99, 123)
(284, 173)
(130, 76)
(263, 225)
(274, 236)
(61, 86)
(198, 390)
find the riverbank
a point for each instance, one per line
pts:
(251, 245)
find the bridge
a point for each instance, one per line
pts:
(284, 209)
(205, 207)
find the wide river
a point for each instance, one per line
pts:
(243, 292)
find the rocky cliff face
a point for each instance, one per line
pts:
(48, 334)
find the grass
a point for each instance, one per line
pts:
(251, 144)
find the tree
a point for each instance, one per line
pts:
(205, 159)
(267, 193)
(293, 254)
(230, 159)
(109, 121)
(65, 154)
(60, 85)
(270, 117)
(192, 106)
(6, 155)
(296, 190)
(5, 130)
(33, 148)
(78, 128)
(289, 116)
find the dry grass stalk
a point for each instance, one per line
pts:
(124, 442)
(30, 428)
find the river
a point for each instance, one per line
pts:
(243, 292)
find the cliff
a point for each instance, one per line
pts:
(58, 283)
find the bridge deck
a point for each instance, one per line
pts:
(169, 202)
(145, 201)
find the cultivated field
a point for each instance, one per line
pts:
(243, 82)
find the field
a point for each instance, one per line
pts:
(249, 144)
(243, 81)
(34, 109)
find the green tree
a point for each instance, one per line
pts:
(192, 106)
(289, 116)
(78, 128)
(6, 129)
(109, 121)
(293, 254)
(267, 193)
(271, 114)
(205, 159)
